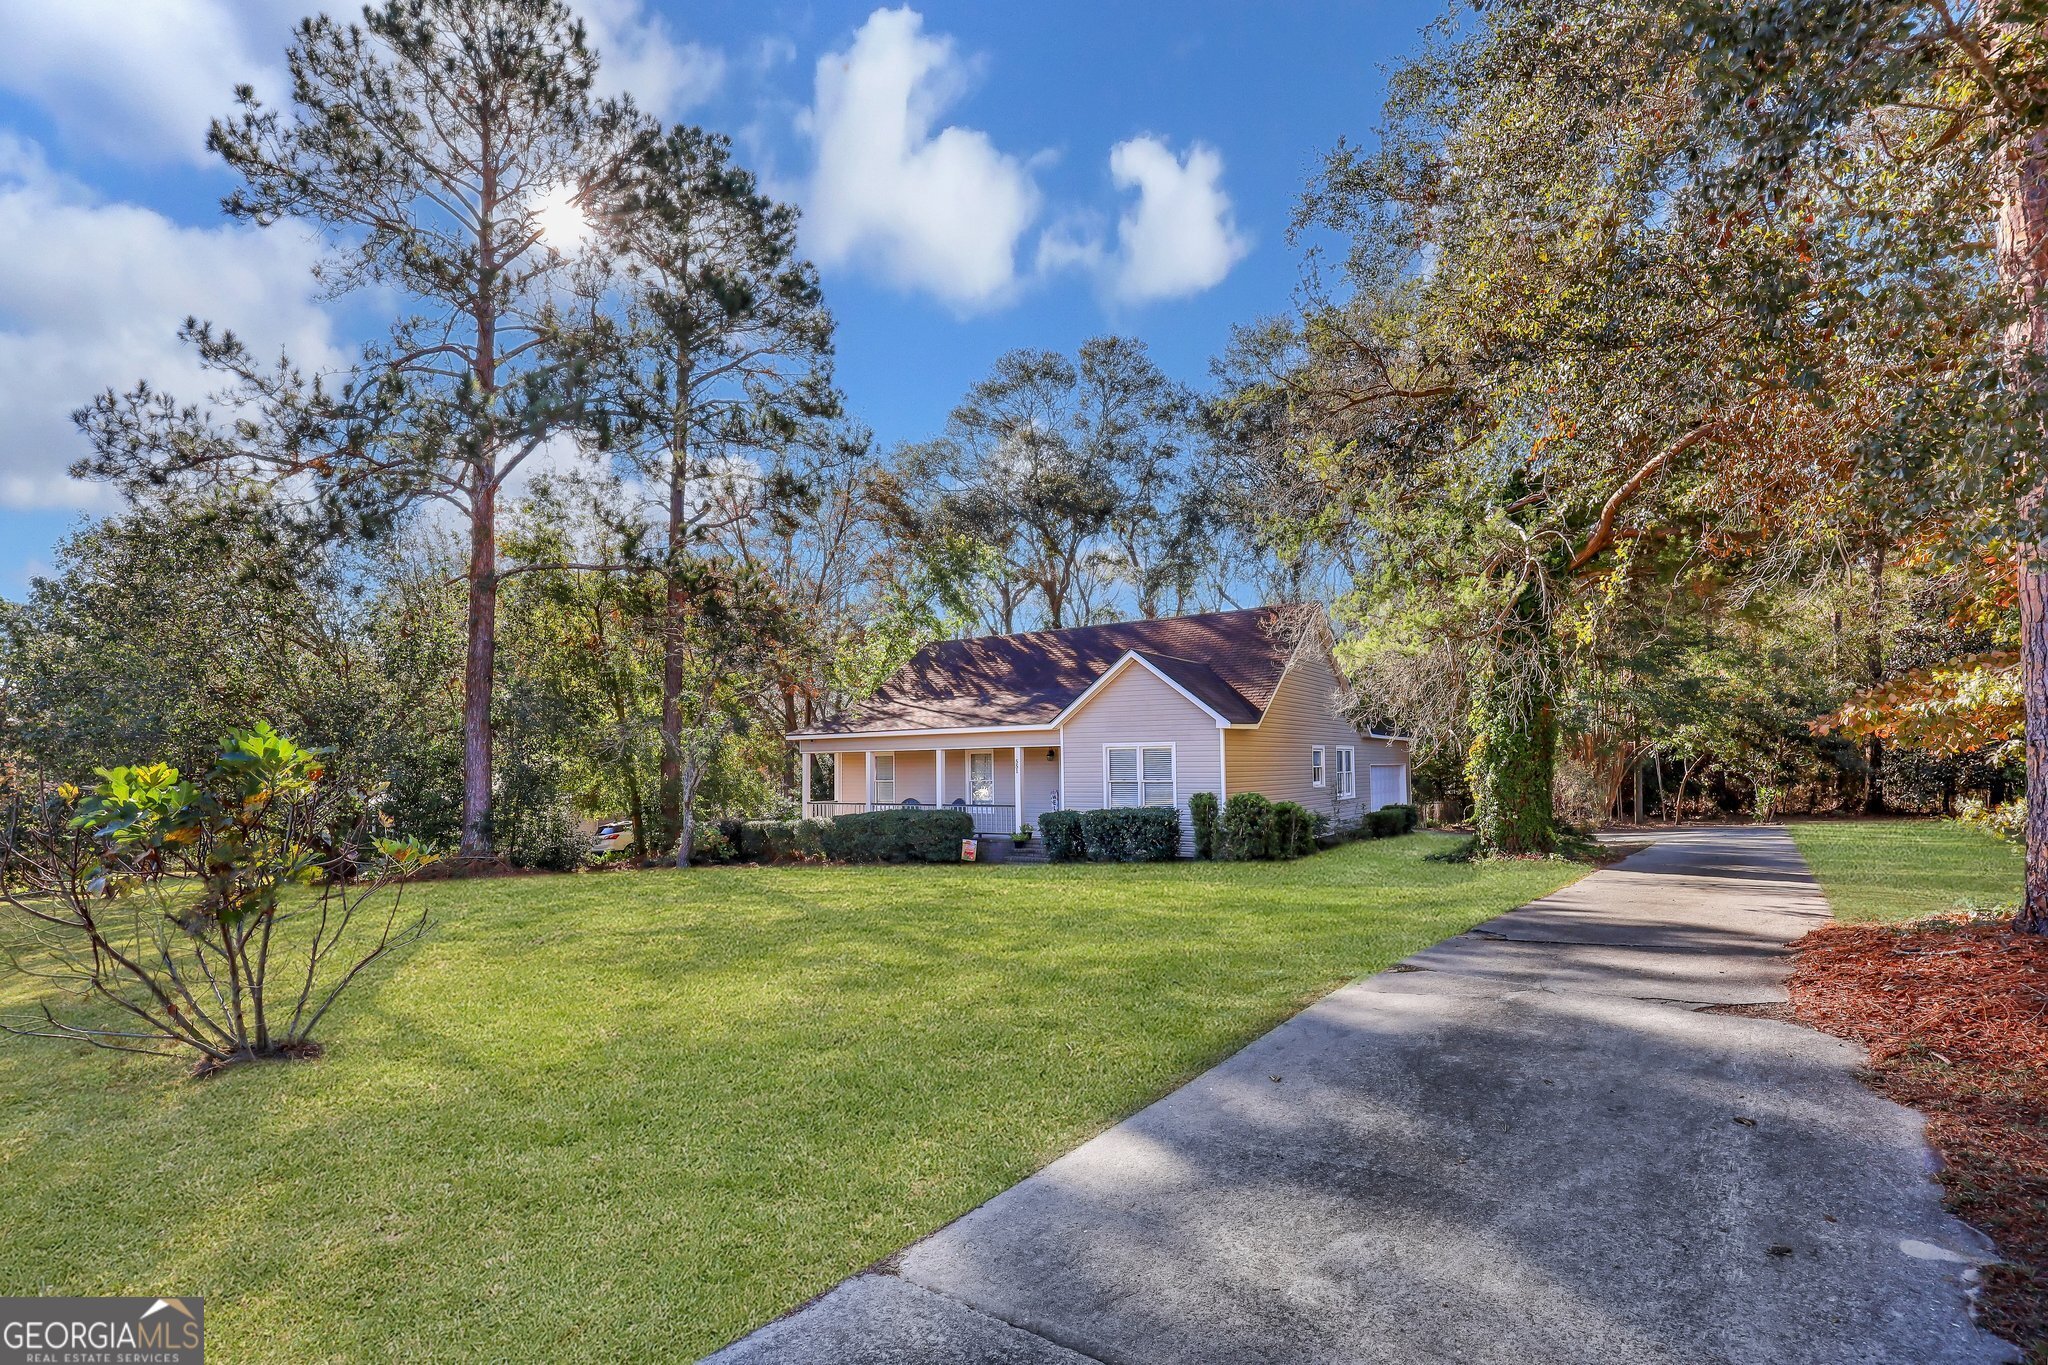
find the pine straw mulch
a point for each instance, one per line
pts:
(1954, 1010)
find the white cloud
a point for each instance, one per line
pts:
(91, 297)
(142, 81)
(637, 55)
(943, 211)
(773, 51)
(1073, 243)
(1181, 236)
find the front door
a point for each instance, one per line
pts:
(981, 779)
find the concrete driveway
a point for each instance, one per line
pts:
(1537, 1142)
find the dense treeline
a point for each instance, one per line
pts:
(1659, 453)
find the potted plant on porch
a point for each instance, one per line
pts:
(1022, 836)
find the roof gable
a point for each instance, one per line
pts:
(1230, 662)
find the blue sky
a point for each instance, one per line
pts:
(975, 177)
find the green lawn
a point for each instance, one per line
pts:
(634, 1115)
(1900, 869)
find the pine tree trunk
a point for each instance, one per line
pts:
(478, 673)
(2022, 239)
(674, 608)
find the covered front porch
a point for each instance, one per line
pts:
(1001, 786)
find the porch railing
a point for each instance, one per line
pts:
(988, 818)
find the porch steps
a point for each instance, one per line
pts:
(1033, 851)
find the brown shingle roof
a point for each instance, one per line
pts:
(1231, 660)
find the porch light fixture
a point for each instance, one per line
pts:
(1052, 755)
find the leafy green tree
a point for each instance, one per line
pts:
(1535, 370)
(588, 643)
(162, 627)
(1139, 426)
(447, 149)
(1929, 122)
(731, 642)
(1074, 476)
(725, 366)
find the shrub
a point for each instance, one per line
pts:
(1387, 821)
(1202, 812)
(712, 843)
(1062, 832)
(1132, 834)
(224, 916)
(549, 839)
(1245, 831)
(1254, 828)
(782, 841)
(1294, 830)
(897, 836)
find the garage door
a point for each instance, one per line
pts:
(1389, 785)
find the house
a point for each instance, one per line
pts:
(1009, 727)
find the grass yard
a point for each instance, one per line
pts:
(1886, 870)
(632, 1116)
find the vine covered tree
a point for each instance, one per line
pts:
(1538, 381)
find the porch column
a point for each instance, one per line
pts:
(1017, 789)
(867, 759)
(803, 761)
(940, 789)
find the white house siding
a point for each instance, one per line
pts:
(1041, 780)
(1136, 707)
(1273, 759)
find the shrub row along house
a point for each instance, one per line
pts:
(1139, 713)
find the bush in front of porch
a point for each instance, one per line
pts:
(881, 836)
(898, 836)
(1140, 834)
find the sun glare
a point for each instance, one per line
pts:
(562, 223)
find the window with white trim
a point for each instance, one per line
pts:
(1315, 766)
(1139, 775)
(885, 779)
(1347, 774)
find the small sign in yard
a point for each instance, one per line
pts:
(967, 850)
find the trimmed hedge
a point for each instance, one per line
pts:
(1295, 828)
(1389, 821)
(781, 841)
(1131, 834)
(898, 836)
(1244, 833)
(1061, 830)
(1256, 829)
(1141, 834)
(1203, 811)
